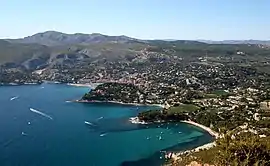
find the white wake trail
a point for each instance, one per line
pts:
(13, 98)
(41, 113)
(89, 123)
(100, 118)
(102, 135)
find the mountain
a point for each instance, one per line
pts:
(53, 38)
(52, 49)
(12, 54)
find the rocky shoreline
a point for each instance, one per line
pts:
(80, 85)
(117, 102)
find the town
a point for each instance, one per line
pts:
(224, 93)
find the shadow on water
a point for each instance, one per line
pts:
(158, 158)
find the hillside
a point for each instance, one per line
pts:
(50, 49)
(12, 54)
(53, 38)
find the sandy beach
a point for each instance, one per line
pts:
(210, 131)
(136, 120)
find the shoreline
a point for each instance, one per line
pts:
(177, 155)
(210, 131)
(80, 85)
(117, 102)
(136, 120)
(168, 155)
(92, 85)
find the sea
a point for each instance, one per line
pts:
(40, 127)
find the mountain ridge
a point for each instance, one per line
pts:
(52, 49)
(55, 38)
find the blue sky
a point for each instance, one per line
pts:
(145, 19)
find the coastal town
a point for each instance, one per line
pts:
(135, 83)
(219, 93)
(219, 97)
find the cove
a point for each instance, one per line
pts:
(28, 138)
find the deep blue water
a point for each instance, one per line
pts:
(29, 139)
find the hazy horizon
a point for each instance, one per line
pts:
(142, 19)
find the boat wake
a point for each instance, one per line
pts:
(100, 118)
(89, 123)
(41, 113)
(102, 135)
(14, 98)
(23, 133)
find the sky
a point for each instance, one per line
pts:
(143, 19)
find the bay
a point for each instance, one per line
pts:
(28, 138)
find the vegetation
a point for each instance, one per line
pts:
(155, 116)
(182, 108)
(177, 113)
(220, 93)
(126, 93)
(19, 53)
(44, 47)
(245, 149)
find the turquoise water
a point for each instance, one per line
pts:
(30, 139)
